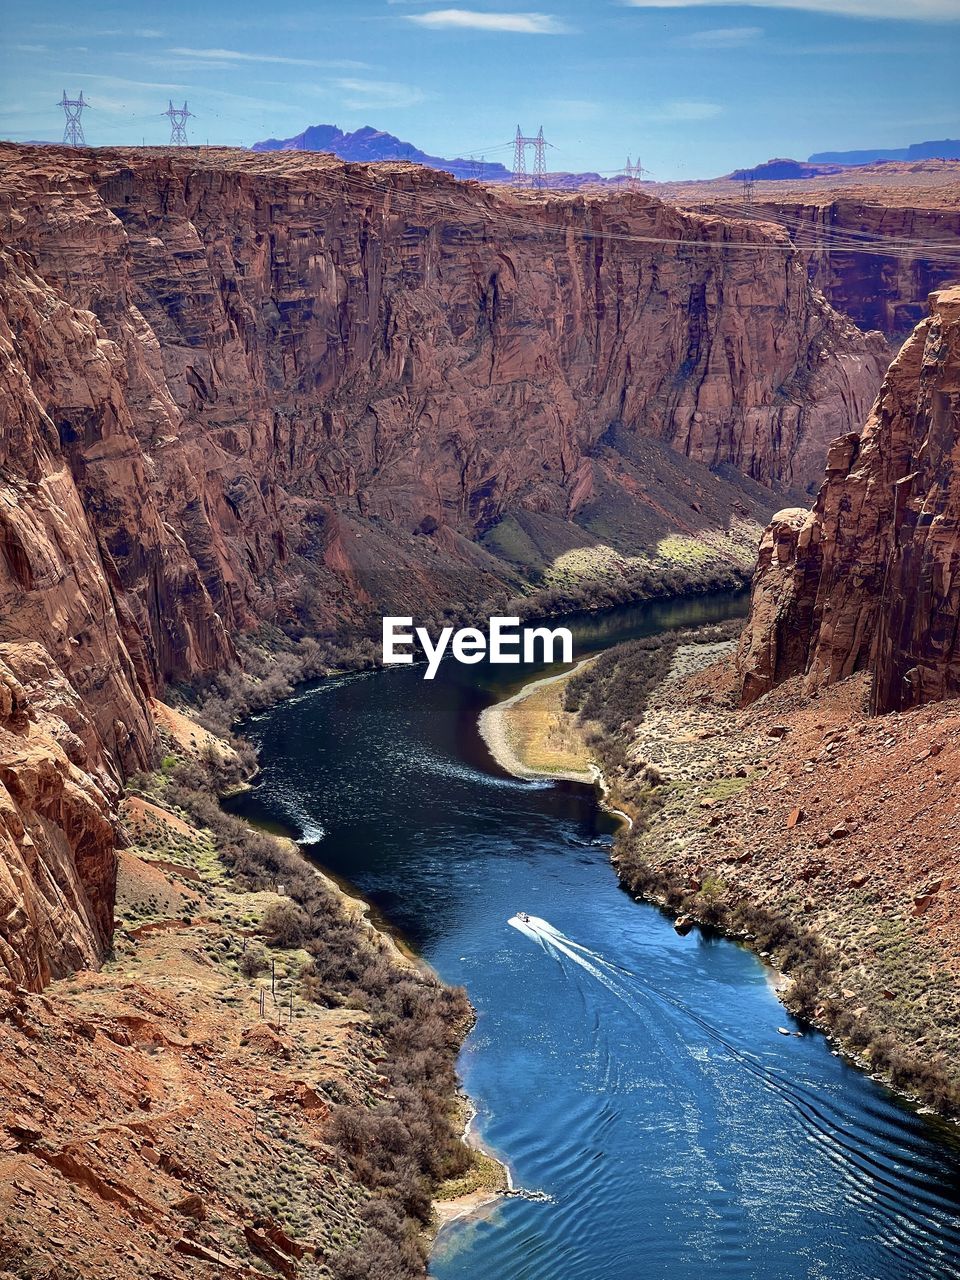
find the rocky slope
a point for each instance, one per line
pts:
(823, 834)
(240, 388)
(188, 1113)
(153, 1135)
(867, 580)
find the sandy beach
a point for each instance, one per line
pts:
(499, 733)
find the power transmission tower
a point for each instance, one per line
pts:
(748, 193)
(632, 172)
(539, 161)
(178, 117)
(520, 176)
(519, 160)
(477, 166)
(73, 129)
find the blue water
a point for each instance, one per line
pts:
(635, 1078)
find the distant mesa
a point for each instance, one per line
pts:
(825, 163)
(778, 170)
(942, 149)
(368, 144)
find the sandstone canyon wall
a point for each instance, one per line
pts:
(228, 378)
(878, 239)
(885, 291)
(869, 578)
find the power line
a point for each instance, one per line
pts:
(813, 237)
(499, 218)
(520, 222)
(946, 252)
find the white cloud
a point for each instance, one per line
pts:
(687, 110)
(121, 82)
(914, 11)
(70, 29)
(573, 109)
(528, 24)
(721, 38)
(363, 94)
(226, 57)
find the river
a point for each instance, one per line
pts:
(635, 1078)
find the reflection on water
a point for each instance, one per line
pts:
(635, 1077)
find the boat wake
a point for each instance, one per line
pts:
(915, 1220)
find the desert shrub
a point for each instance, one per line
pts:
(615, 686)
(252, 962)
(271, 665)
(399, 1147)
(285, 924)
(380, 1256)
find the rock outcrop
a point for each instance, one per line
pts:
(868, 580)
(236, 383)
(57, 840)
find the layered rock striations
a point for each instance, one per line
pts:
(878, 239)
(232, 381)
(57, 839)
(846, 238)
(868, 579)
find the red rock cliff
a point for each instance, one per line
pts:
(868, 579)
(845, 238)
(228, 377)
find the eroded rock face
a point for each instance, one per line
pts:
(869, 579)
(229, 378)
(879, 291)
(57, 840)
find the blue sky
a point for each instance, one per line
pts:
(693, 90)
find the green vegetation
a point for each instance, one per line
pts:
(403, 1144)
(610, 694)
